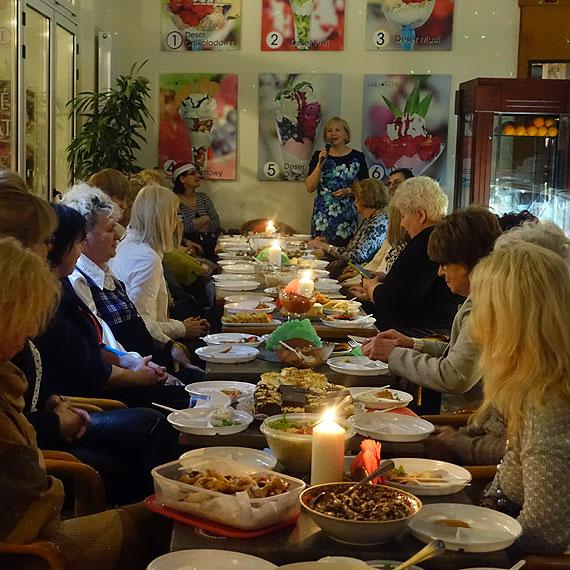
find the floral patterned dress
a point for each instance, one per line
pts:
(334, 218)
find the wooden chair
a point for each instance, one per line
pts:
(547, 562)
(89, 492)
(96, 404)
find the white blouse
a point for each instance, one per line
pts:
(139, 267)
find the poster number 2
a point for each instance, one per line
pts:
(381, 38)
(271, 169)
(274, 40)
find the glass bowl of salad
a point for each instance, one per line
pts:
(290, 438)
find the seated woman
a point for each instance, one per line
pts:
(371, 199)
(412, 298)
(138, 264)
(521, 319)
(113, 539)
(457, 243)
(200, 220)
(117, 186)
(102, 292)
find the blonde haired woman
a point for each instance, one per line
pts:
(332, 173)
(29, 293)
(412, 298)
(138, 264)
(521, 319)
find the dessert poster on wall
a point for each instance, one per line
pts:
(405, 124)
(200, 25)
(301, 25)
(198, 123)
(293, 110)
(423, 25)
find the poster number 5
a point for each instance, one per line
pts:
(271, 169)
(274, 40)
(381, 38)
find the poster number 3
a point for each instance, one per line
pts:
(274, 40)
(381, 38)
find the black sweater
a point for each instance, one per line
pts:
(413, 298)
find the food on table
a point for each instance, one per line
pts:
(455, 523)
(297, 117)
(307, 354)
(343, 317)
(341, 347)
(322, 299)
(257, 486)
(386, 395)
(295, 303)
(247, 318)
(399, 475)
(245, 340)
(262, 306)
(293, 329)
(223, 417)
(315, 313)
(225, 350)
(292, 426)
(407, 143)
(369, 503)
(373, 396)
(341, 306)
(293, 390)
(232, 393)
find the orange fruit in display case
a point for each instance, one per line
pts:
(509, 130)
(538, 122)
(520, 131)
(531, 131)
(549, 123)
(552, 132)
(542, 131)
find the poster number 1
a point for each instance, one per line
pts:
(274, 40)
(381, 38)
(271, 169)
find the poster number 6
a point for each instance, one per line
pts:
(271, 169)
(381, 38)
(377, 172)
(274, 40)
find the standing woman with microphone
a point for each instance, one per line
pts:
(332, 173)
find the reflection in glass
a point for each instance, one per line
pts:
(7, 108)
(37, 108)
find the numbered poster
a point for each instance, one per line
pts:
(405, 124)
(200, 25)
(293, 110)
(408, 25)
(292, 25)
(198, 123)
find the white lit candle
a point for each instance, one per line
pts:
(274, 257)
(327, 461)
(306, 285)
(270, 229)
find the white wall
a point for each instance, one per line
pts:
(485, 40)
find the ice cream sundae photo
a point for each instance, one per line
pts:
(302, 12)
(409, 14)
(297, 118)
(199, 111)
(407, 142)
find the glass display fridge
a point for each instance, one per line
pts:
(513, 147)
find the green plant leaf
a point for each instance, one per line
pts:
(392, 107)
(423, 107)
(413, 100)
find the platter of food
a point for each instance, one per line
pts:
(237, 285)
(230, 354)
(466, 527)
(210, 421)
(341, 307)
(385, 426)
(233, 338)
(231, 388)
(341, 349)
(249, 307)
(357, 366)
(427, 477)
(205, 559)
(375, 399)
(240, 319)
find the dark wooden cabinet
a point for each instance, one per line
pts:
(513, 146)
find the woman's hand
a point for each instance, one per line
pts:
(181, 357)
(401, 339)
(147, 372)
(322, 157)
(318, 244)
(378, 348)
(369, 285)
(342, 193)
(196, 327)
(380, 274)
(359, 293)
(207, 271)
(73, 422)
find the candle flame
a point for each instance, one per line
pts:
(307, 275)
(329, 415)
(275, 245)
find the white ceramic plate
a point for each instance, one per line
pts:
(239, 268)
(363, 322)
(236, 354)
(327, 288)
(257, 297)
(238, 285)
(205, 388)
(245, 455)
(302, 237)
(368, 398)
(197, 422)
(221, 277)
(313, 263)
(271, 291)
(385, 426)
(233, 338)
(449, 471)
(353, 306)
(357, 366)
(199, 559)
(488, 530)
(228, 255)
(248, 307)
(235, 260)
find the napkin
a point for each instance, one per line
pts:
(356, 352)
(367, 460)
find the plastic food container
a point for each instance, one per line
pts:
(239, 510)
(293, 450)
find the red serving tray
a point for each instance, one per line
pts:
(154, 505)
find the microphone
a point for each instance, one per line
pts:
(328, 145)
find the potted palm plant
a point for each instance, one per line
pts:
(113, 123)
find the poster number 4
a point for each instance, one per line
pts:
(381, 38)
(274, 40)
